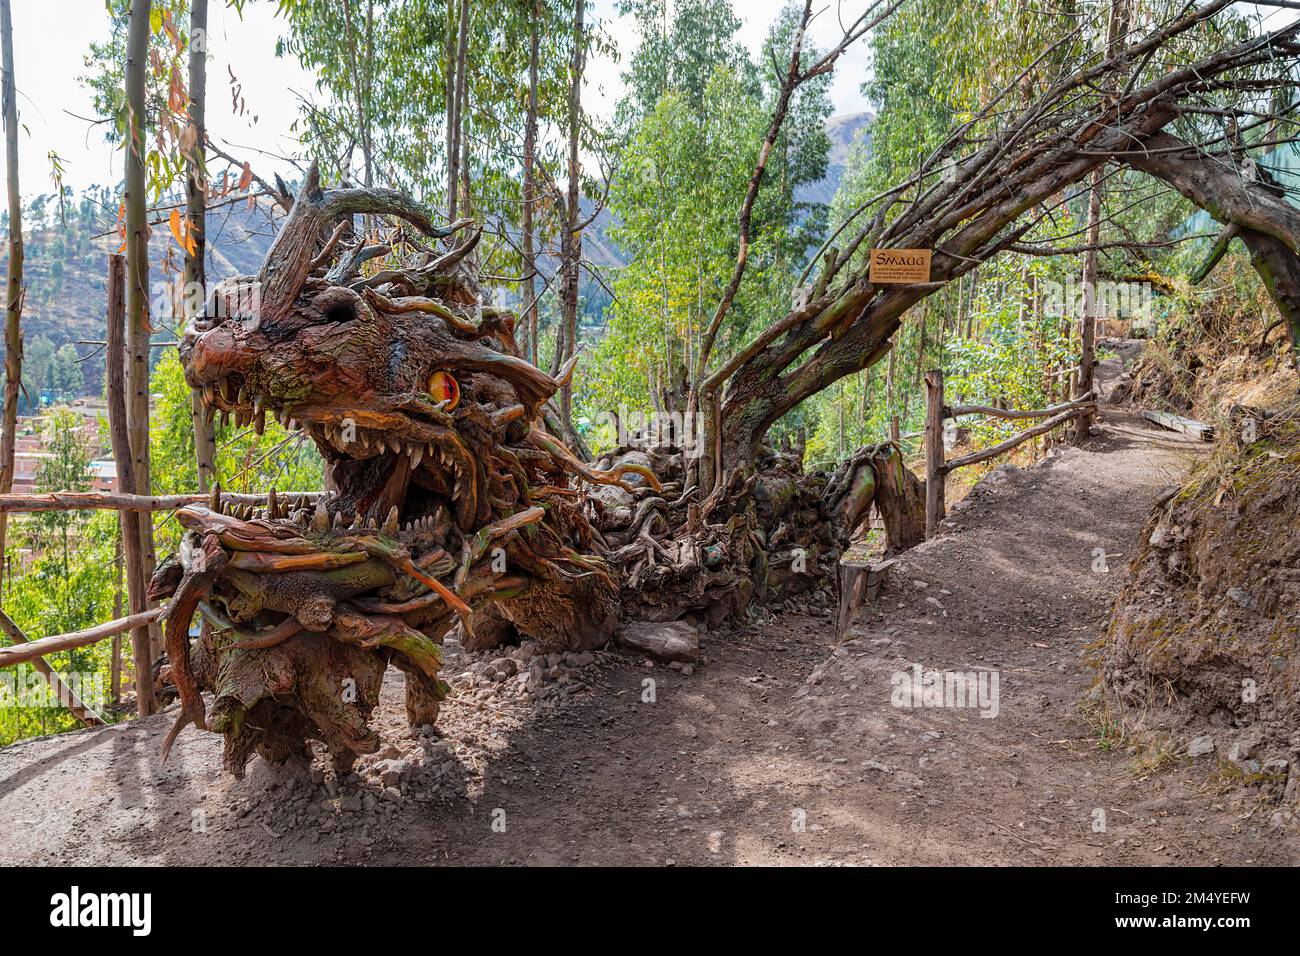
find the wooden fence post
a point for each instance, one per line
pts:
(130, 523)
(934, 474)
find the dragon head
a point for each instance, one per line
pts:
(402, 379)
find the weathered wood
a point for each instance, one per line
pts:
(21, 653)
(139, 329)
(205, 440)
(934, 469)
(115, 666)
(1177, 423)
(860, 581)
(119, 435)
(123, 501)
(958, 410)
(65, 693)
(1005, 446)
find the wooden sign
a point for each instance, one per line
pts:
(899, 266)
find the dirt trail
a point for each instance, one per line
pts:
(781, 748)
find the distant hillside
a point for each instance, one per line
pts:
(842, 130)
(65, 266)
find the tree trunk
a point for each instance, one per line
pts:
(137, 266)
(451, 100)
(1088, 320)
(1115, 28)
(128, 522)
(572, 235)
(934, 473)
(196, 188)
(462, 101)
(530, 190)
(14, 286)
(1279, 269)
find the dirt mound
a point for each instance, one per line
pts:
(1201, 656)
(1217, 350)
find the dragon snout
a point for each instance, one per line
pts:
(214, 355)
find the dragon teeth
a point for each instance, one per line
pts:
(417, 455)
(320, 520)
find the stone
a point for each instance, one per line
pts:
(1242, 755)
(391, 771)
(1200, 746)
(1161, 537)
(1242, 598)
(668, 641)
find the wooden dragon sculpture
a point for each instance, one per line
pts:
(449, 501)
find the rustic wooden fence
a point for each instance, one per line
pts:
(24, 649)
(937, 467)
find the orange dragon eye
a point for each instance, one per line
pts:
(444, 388)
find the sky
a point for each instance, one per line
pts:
(52, 38)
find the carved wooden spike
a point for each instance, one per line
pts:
(320, 521)
(390, 523)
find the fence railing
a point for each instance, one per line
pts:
(937, 468)
(25, 649)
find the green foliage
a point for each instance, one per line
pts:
(680, 56)
(246, 461)
(68, 582)
(683, 173)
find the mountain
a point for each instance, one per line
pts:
(65, 268)
(843, 130)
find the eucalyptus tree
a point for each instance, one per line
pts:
(14, 282)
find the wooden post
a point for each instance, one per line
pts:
(895, 433)
(934, 509)
(860, 581)
(129, 522)
(205, 440)
(138, 329)
(116, 666)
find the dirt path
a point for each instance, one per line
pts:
(781, 748)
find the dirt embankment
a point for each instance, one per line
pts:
(1202, 656)
(1203, 653)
